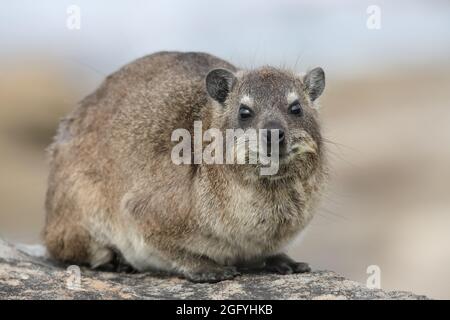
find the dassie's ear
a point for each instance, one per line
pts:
(219, 83)
(314, 83)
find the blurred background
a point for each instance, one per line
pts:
(386, 110)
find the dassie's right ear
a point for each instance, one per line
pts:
(219, 83)
(314, 83)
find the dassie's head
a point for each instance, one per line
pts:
(279, 101)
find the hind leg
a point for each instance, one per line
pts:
(71, 243)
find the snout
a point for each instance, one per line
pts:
(274, 138)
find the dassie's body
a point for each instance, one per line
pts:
(113, 187)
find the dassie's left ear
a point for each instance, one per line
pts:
(219, 83)
(314, 82)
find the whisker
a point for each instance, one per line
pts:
(338, 144)
(345, 160)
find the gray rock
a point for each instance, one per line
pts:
(25, 273)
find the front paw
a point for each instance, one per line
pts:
(282, 264)
(212, 275)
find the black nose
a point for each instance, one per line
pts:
(271, 138)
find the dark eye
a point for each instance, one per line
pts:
(244, 112)
(296, 108)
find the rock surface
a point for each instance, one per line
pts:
(25, 273)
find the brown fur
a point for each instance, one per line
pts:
(113, 186)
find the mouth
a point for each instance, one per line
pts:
(304, 143)
(296, 150)
(305, 146)
(283, 156)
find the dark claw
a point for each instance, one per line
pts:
(301, 267)
(282, 264)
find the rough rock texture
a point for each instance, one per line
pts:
(25, 273)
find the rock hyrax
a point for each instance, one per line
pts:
(114, 189)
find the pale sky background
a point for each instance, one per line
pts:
(327, 33)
